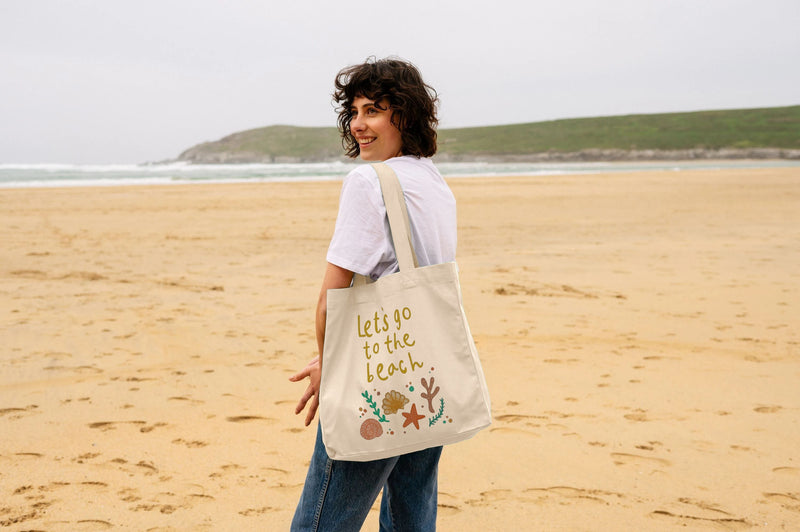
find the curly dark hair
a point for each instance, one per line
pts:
(412, 101)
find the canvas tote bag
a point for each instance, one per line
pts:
(400, 372)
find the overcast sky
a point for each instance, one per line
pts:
(104, 81)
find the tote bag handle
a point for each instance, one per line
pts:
(397, 212)
(399, 224)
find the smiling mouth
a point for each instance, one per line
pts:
(365, 141)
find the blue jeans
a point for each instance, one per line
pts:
(337, 494)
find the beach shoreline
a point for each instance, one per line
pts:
(181, 173)
(638, 331)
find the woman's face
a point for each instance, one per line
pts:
(378, 139)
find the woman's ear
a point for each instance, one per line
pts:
(398, 119)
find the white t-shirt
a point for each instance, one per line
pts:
(362, 242)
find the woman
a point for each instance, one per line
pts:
(387, 113)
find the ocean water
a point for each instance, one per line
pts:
(72, 175)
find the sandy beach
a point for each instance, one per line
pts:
(639, 334)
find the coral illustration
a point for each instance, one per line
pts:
(393, 402)
(374, 406)
(428, 394)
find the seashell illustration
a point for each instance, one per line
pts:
(394, 401)
(370, 429)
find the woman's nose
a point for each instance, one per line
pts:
(356, 122)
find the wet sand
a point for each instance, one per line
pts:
(639, 333)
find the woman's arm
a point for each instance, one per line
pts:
(335, 277)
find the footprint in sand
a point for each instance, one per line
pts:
(568, 492)
(129, 495)
(448, 503)
(163, 508)
(250, 512)
(187, 399)
(112, 425)
(693, 521)
(95, 483)
(243, 419)
(638, 416)
(768, 409)
(512, 418)
(151, 428)
(76, 369)
(29, 455)
(516, 419)
(17, 412)
(490, 497)
(191, 444)
(93, 524)
(84, 457)
(623, 459)
(789, 501)
(708, 506)
(226, 470)
(148, 467)
(512, 430)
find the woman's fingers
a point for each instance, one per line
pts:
(309, 393)
(306, 371)
(312, 372)
(312, 410)
(301, 375)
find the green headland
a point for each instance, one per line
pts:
(772, 132)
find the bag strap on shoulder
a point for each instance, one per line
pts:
(399, 224)
(398, 216)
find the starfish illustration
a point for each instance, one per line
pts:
(412, 417)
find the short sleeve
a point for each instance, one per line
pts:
(359, 242)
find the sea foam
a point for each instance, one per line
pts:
(76, 175)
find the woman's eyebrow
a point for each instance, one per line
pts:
(364, 106)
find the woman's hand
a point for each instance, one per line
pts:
(335, 277)
(312, 371)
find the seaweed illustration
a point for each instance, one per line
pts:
(374, 406)
(432, 420)
(429, 393)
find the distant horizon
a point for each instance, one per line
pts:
(173, 159)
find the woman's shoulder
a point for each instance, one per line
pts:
(410, 165)
(411, 161)
(362, 172)
(405, 167)
(414, 168)
(361, 184)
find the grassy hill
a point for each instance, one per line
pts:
(739, 129)
(270, 144)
